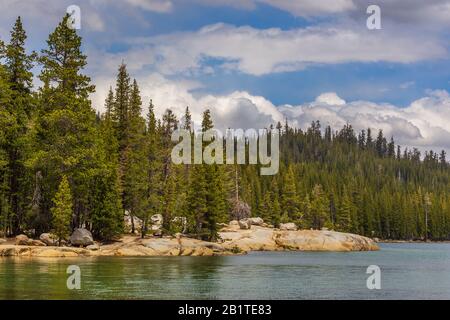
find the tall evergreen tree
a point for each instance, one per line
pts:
(67, 139)
(319, 210)
(187, 125)
(344, 213)
(135, 152)
(120, 111)
(290, 201)
(6, 120)
(109, 105)
(153, 175)
(62, 210)
(18, 65)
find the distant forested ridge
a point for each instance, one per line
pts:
(63, 166)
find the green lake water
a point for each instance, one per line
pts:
(408, 271)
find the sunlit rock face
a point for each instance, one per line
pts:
(233, 240)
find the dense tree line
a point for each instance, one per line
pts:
(63, 166)
(353, 182)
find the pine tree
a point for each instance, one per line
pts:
(391, 148)
(276, 209)
(109, 105)
(67, 139)
(207, 182)
(135, 108)
(319, 210)
(442, 159)
(6, 119)
(290, 200)
(369, 140)
(169, 124)
(196, 202)
(62, 210)
(18, 62)
(111, 144)
(187, 120)
(120, 111)
(61, 64)
(107, 213)
(345, 213)
(135, 168)
(18, 65)
(153, 166)
(207, 122)
(151, 118)
(215, 197)
(266, 207)
(380, 144)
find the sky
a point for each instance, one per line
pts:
(256, 62)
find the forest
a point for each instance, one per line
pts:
(63, 165)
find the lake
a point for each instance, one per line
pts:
(408, 271)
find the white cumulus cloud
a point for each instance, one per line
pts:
(264, 51)
(424, 124)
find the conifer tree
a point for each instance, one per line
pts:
(6, 120)
(169, 124)
(290, 200)
(266, 207)
(154, 174)
(18, 65)
(61, 64)
(135, 152)
(120, 111)
(187, 120)
(109, 105)
(207, 122)
(106, 207)
(345, 213)
(276, 209)
(319, 210)
(62, 210)
(196, 202)
(67, 139)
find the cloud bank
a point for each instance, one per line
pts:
(263, 51)
(424, 124)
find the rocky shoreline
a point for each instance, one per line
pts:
(234, 240)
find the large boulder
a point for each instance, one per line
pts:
(129, 221)
(49, 239)
(157, 222)
(256, 221)
(245, 224)
(2, 241)
(22, 240)
(255, 239)
(81, 237)
(267, 239)
(315, 240)
(157, 219)
(288, 226)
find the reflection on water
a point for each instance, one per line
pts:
(409, 271)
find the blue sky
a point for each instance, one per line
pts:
(396, 83)
(262, 61)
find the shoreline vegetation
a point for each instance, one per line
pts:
(67, 169)
(233, 241)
